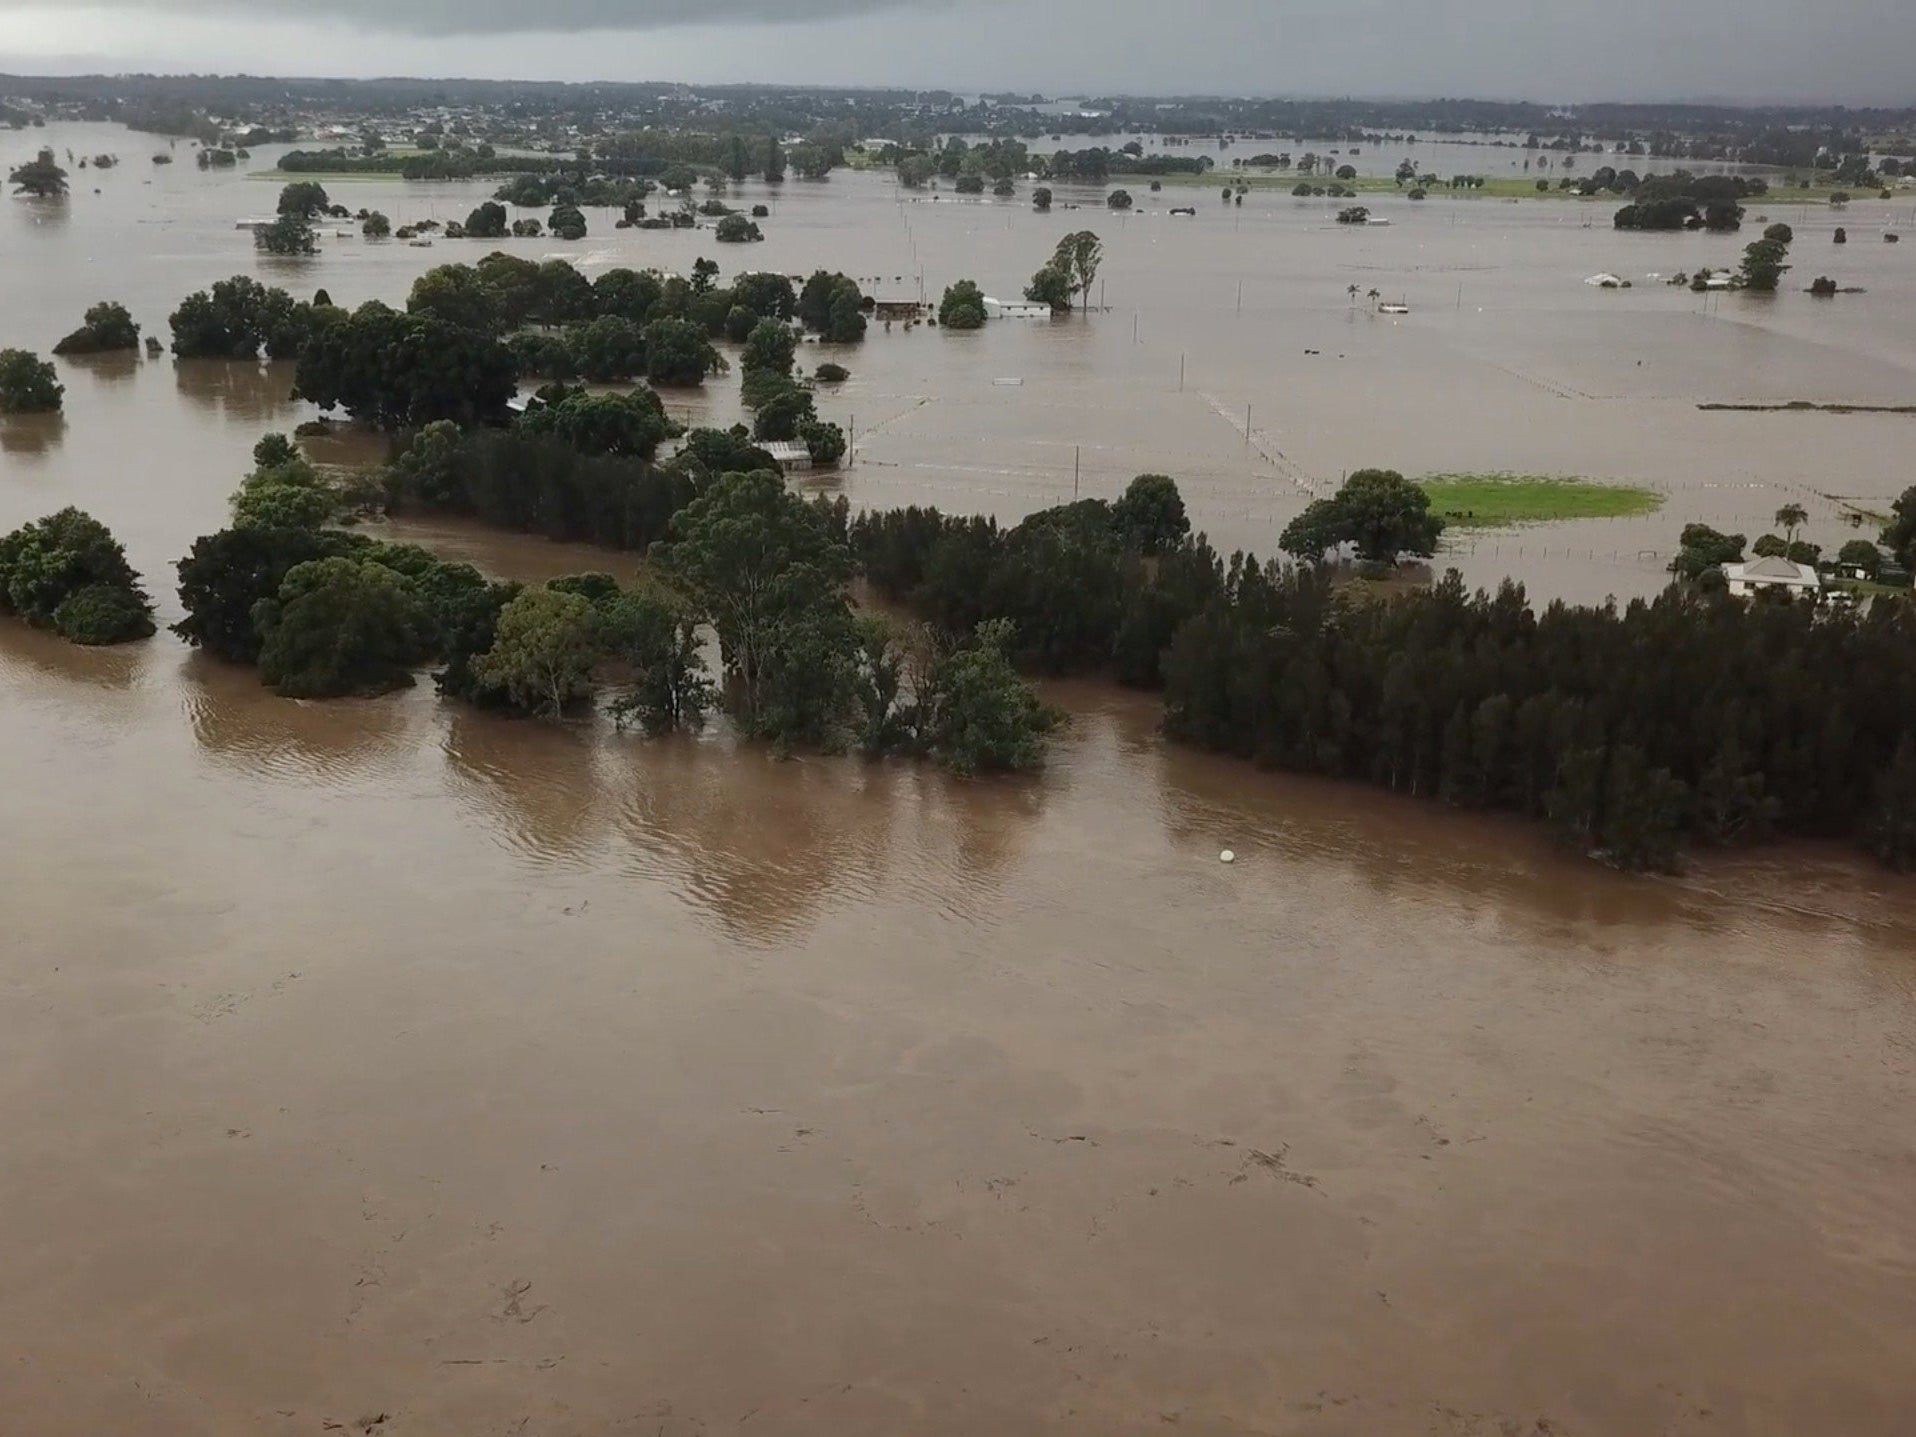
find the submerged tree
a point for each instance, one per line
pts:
(341, 626)
(68, 573)
(28, 384)
(963, 306)
(545, 646)
(107, 328)
(39, 177)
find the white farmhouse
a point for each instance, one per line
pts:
(1772, 574)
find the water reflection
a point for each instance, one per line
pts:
(1407, 848)
(112, 368)
(349, 446)
(248, 727)
(45, 211)
(757, 841)
(531, 783)
(237, 389)
(31, 434)
(48, 655)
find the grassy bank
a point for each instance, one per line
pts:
(1489, 501)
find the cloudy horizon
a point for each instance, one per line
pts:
(1854, 52)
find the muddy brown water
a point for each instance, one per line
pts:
(385, 1059)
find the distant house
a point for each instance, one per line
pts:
(791, 456)
(1015, 309)
(1772, 575)
(905, 309)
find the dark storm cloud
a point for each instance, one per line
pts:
(477, 17)
(1857, 51)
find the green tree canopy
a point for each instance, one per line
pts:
(1079, 256)
(39, 177)
(1150, 516)
(68, 573)
(304, 199)
(1861, 555)
(226, 575)
(107, 328)
(1051, 285)
(488, 221)
(978, 714)
(288, 236)
(1378, 511)
(399, 371)
(608, 348)
(627, 425)
(236, 317)
(28, 384)
(1899, 535)
(545, 647)
(770, 576)
(284, 493)
(341, 625)
(655, 634)
(677, 353)
(962, 307)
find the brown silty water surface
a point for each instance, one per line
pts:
(382, 1058)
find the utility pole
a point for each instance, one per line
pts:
(1076, 452)
(1180, 374)
(1247, 424)
(851, 442)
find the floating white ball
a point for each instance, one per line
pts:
(1227, 857)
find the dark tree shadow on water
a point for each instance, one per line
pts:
(31, 435)
(48, 656)
(238, 389)
(246, 726)
(530, 783)
(115, 368)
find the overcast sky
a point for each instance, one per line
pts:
(1855, 51)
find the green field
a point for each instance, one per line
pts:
(1489, 501)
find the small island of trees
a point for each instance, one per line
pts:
(28, 384)
(107, 328)
(67, 573)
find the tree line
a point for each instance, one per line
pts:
(470, 333)
(1692, 718)
(322, 611)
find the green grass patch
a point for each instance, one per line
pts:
(1490, 501)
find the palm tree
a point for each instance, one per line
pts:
(1375, 297)
(1789, 519)
(1353, 294)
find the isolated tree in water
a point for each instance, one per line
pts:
(28, 384)
(40, 177)
(1378, 511)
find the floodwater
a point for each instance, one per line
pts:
(391, 1066)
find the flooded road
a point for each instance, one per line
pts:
(389, 1065)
